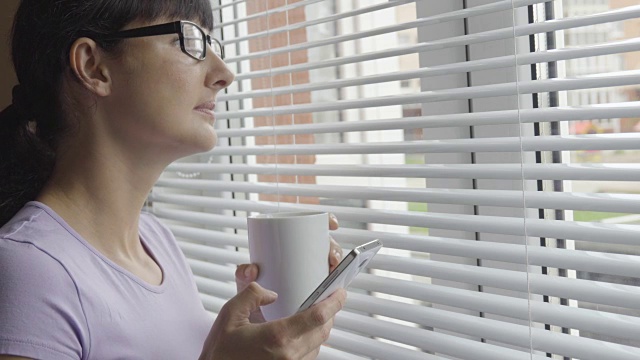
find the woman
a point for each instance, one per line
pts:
(110, 93)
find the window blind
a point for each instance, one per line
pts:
(491, 145)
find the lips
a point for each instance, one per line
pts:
(207, 108)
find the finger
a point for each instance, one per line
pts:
(317, 315)
(302, 347)
(245, 275)
(309, 344)
(312, 355)
(333, 222)
(322, 337)
(309, 329)
(335, 254)
(251, 298)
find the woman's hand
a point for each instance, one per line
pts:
(300, 336)
(248, 273)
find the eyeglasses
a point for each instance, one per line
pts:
(193, 39)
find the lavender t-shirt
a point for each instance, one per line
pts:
(62, 299)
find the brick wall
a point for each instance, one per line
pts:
(274, 41)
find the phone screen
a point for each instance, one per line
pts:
(344, 273)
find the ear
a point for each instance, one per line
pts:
(87, 61)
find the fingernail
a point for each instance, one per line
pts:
(337, 254)
(247, 271)
(272, 293)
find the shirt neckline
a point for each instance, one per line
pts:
(153, 288)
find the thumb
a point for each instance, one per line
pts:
(245, 274)
(248, 300)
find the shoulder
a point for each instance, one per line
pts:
(40, 307)
(22, 221)
(31, 279)
(27, 246)
(40, 226)
(35, 243)
(26, 263)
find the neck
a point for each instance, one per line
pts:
(100, 193)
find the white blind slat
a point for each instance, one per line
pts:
(430, 339)
(606, 172)
(603, 263)
(504, 144)
(367, 346)
(305, 24)
(585, 231)
(621, 110)
(483, 302)
(281, 9)
(583, 319)
(499, 34)
(226, 5)
(513, 334)
(448, 69)
(599, 293)
(631, 77)
(629, 203)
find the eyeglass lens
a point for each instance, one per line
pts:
(194, 42)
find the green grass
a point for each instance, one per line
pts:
(422, 207)
(594, 216)
(419, 207)
(414, 159)
(587, 216)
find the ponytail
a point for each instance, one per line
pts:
(25, 161)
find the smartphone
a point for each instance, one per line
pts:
(344, 273)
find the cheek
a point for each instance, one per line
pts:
(154, 103)
(176, 93)
(176, 85)
(157, 95)
(180, 80)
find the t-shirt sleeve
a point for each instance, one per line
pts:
(41, 316)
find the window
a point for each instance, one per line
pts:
(503, 179)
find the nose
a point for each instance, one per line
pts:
(219, 76)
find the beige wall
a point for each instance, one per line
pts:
(631, 30)
(631, 61)
(7, 76)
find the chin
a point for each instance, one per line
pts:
(214, 139)
(213, 144)
(196, 140)
(206, 143)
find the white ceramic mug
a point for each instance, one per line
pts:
(292, 251)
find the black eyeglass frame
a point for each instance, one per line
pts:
(175, 27)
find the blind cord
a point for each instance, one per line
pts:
(293, 117)
(524, 200)
(273, 119)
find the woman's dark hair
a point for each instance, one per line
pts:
(43, 32)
